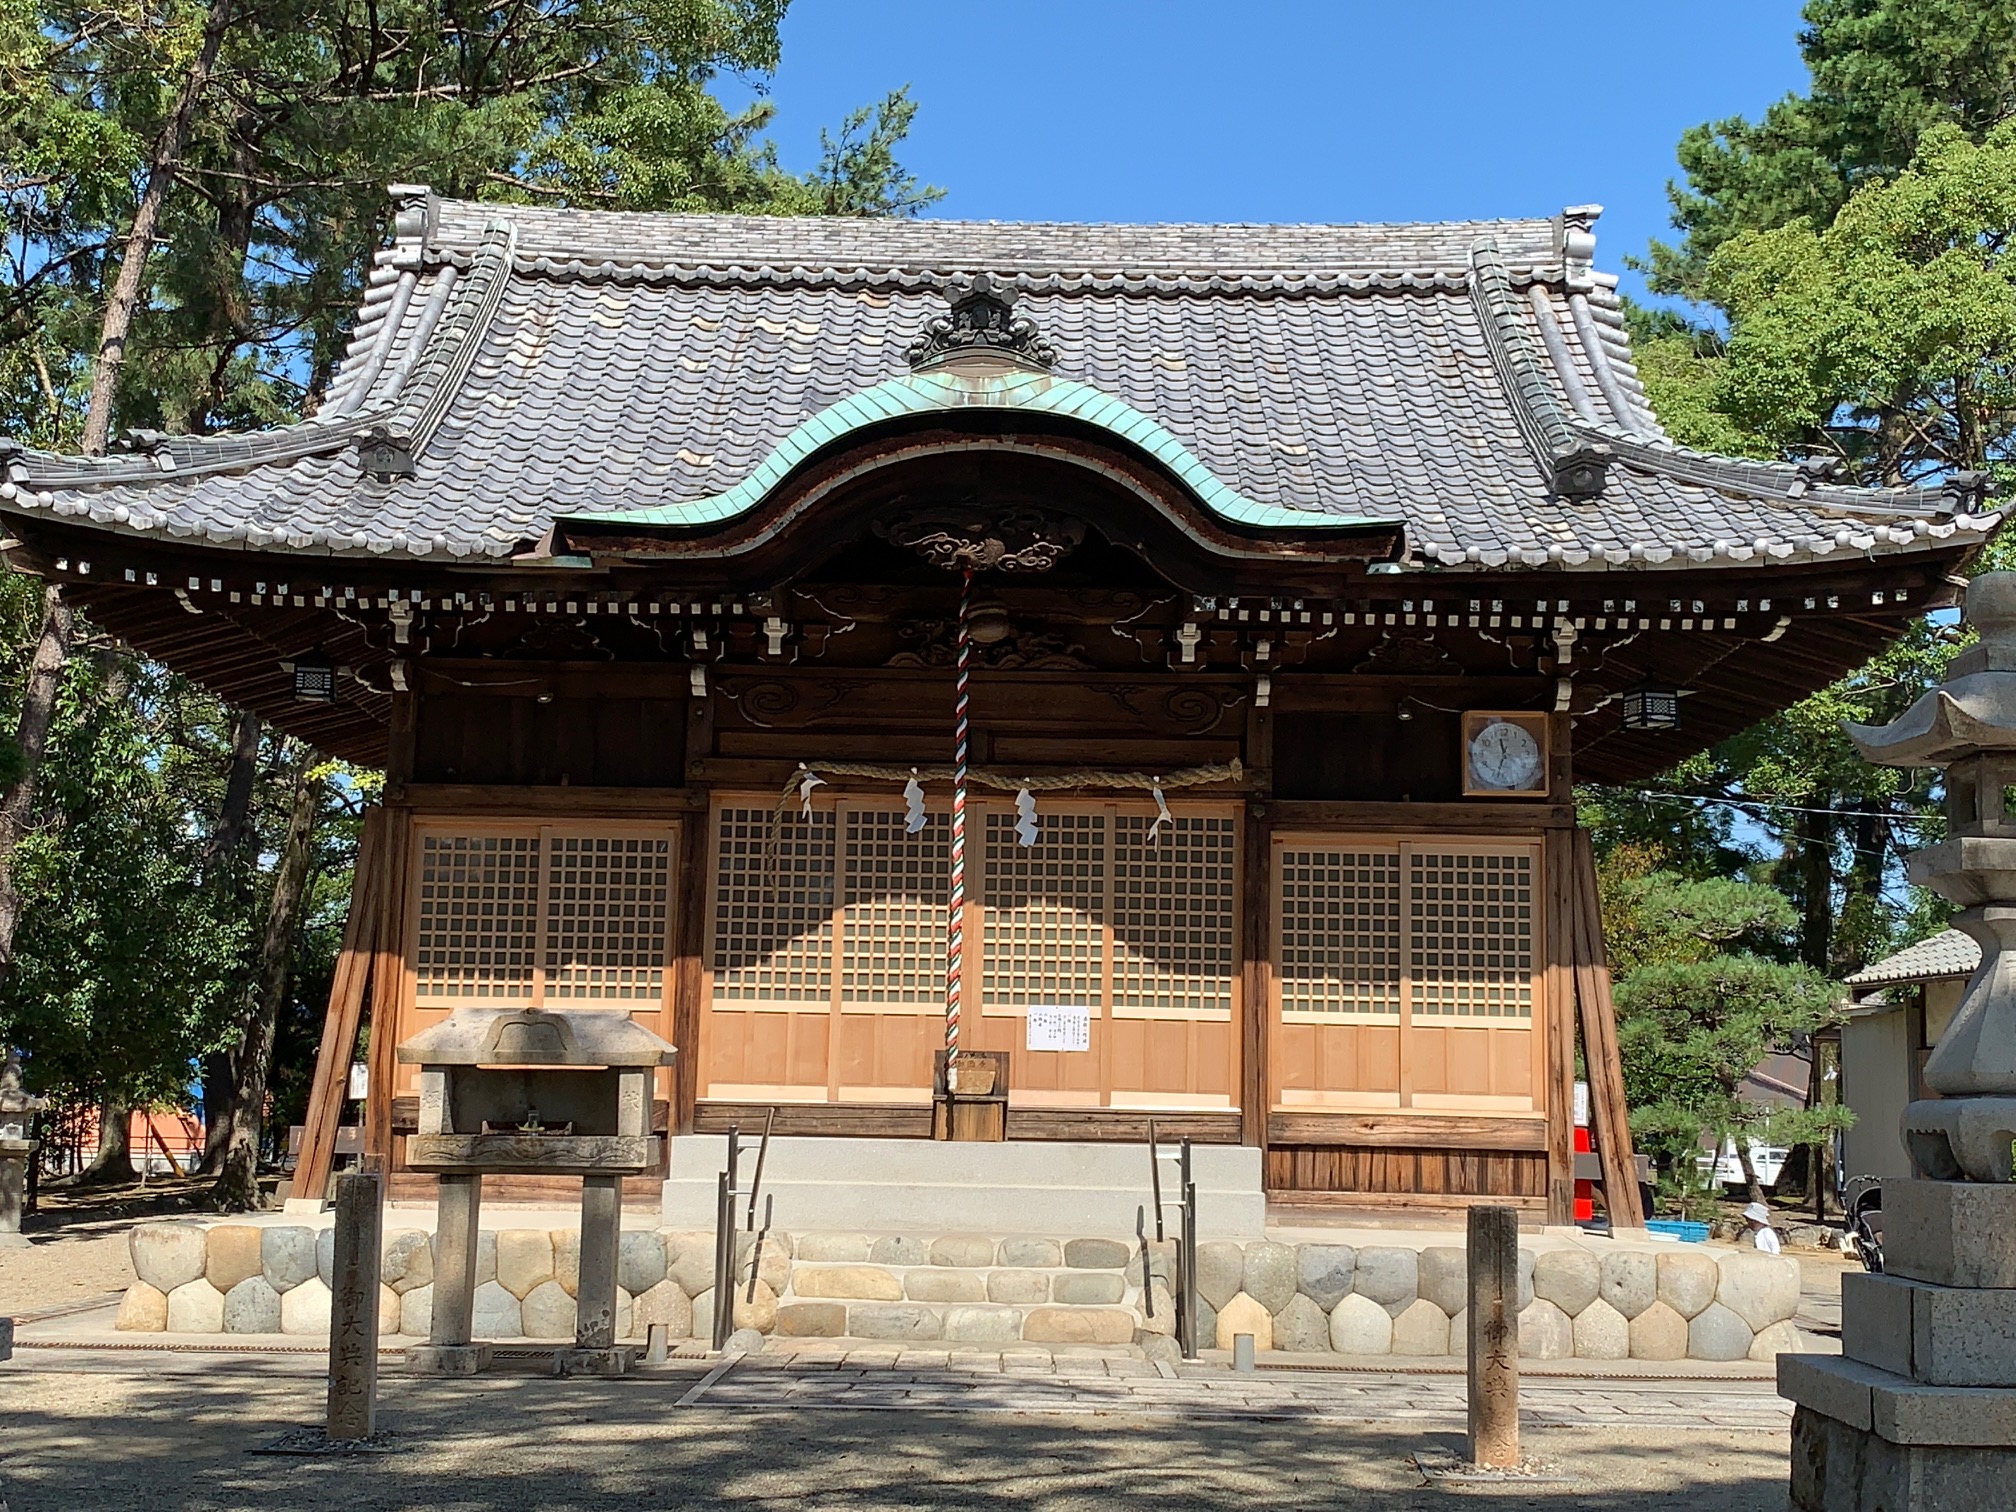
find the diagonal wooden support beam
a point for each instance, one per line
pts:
(1605, 1067)
(346, 1007)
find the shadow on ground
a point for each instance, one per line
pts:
(132, 1438)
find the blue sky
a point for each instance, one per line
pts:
(1270, 110)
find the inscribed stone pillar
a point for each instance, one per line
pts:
(353, 1307)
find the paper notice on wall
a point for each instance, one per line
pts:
(1060, 1029)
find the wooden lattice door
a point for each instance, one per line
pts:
(522, 914)
(829, 937)
(1407, 975)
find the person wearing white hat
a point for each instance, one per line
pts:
(1761, 1232)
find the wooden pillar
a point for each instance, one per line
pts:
(1608, 1109)
(1493, 1324)
(388, 983)
(330, 1087)
(689, 965)
(1559, 1025)
(1256, 977)
(1256, 933)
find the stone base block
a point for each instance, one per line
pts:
(448, 1359)
(11, 1240)
(1840, 1468)
(1952, 1233)
(1938, 1335)
(592, 1362)
(1898, 1409)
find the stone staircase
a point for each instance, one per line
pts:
(968, 1289)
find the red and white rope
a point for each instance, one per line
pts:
(955, 958)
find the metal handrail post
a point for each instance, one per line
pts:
(1155, 1177)
(762, 1154)
(724, 1260)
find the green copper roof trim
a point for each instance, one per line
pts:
(941, 391)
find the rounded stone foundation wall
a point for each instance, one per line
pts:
(1595, 1302)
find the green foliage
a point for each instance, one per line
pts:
(1884, 74)
(1886, 337)
(125, 966)
(1695, 1016)
(278, 200)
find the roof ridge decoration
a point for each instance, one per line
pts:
(1575, 464)
(391, 427)
(1576, 447)
(983, 321)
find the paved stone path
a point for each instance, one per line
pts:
(1001, 1384)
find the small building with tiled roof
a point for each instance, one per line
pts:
(1275, 583)
(1897, 1010)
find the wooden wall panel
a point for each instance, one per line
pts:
(1398, 1170)
(1346, 1058)
(474, 737)
(1368, 757)
(780, 1050)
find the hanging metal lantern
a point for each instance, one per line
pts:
(314, 678)
(1652, 709)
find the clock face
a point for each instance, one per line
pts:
(1506, 758)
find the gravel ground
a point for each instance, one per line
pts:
(174, 1433)
(61, 1266)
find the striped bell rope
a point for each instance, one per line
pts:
(955, 956)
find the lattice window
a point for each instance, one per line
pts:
(478, 918)
(1470, 933)
(606, 901)
(893, 918)
(1172, 912)
(1340, 932)
(773, 916)
(1043, 941)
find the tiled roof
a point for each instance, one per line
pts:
(548, 363)
(1946, 954)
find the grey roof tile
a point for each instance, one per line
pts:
(552, 362)
(1946, 954)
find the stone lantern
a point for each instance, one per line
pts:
(17, 1110)
(531, 1092)
(1919, 1412)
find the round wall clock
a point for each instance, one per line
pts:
(1505, 754)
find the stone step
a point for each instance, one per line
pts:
(957, 1323)
(921, 1186)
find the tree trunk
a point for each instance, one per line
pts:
(220, 1113)
(227, 841)
(31, 735)
(1752, 1187)
(113, 1164)
(223, 866)
(162, 163)
(1814, 867)
(237, 1188)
